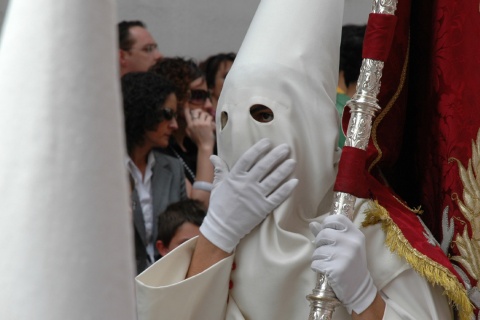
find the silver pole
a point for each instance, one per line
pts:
(363, 107)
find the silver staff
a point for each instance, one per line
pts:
(363, 108)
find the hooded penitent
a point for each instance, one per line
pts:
(288, 62)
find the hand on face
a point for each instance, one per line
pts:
(200, 127)
(243, 196)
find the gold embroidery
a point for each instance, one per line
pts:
(418, 210)
(390, 104)
(469, 255)
(469, 248)
(434, 272)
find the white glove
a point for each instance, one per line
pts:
(340, 254)
(243, 197)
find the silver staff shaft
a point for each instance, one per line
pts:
(363, 107)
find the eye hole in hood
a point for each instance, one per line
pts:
(224, 119)
(261, 113)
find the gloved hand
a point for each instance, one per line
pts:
(243, 197)
(340, 254)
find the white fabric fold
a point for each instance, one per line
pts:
(65, 226)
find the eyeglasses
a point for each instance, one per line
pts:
(150, 48)
(199, 96)
(168, 114)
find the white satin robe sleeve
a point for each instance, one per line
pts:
(162, 291)
(410, 297)
(407, 295)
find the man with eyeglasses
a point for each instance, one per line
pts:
(138, 50)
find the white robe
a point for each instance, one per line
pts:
(276, 287)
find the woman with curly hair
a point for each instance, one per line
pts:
(150, 109)
(194, 141)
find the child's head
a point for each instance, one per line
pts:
(180, 222)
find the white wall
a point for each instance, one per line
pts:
(194, 28)
(199, 28)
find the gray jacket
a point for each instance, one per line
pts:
(168, 186)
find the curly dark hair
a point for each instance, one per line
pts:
(180, 71)
(144, 96)
(124, 40)
(211, 64)
(351, 47)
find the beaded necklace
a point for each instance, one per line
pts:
(189, 171)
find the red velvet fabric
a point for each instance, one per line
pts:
(423, 136)
(351, 173)
(409, 223)
(445, 109)
(379, 36)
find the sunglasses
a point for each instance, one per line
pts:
(168, 114)
(198, 97)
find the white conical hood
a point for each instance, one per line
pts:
(65, 228)
(289, 63)
(293, 34)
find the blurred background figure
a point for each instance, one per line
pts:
(150, 107)
(65, 228)
(194, 141)
(216, 68)
(351, 47)
(179, 223)
(138, 50)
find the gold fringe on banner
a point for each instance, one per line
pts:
(434, 272)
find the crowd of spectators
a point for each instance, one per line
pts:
(169, 108)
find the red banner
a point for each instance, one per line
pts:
(426, 143)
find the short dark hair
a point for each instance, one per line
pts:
(351, 47)
(177, 214)
(211, 64)
(144, 96)
(180, 71)
(126, 42)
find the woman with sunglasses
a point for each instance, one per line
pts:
(194, 141)
(216, 68)
(150, 109)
